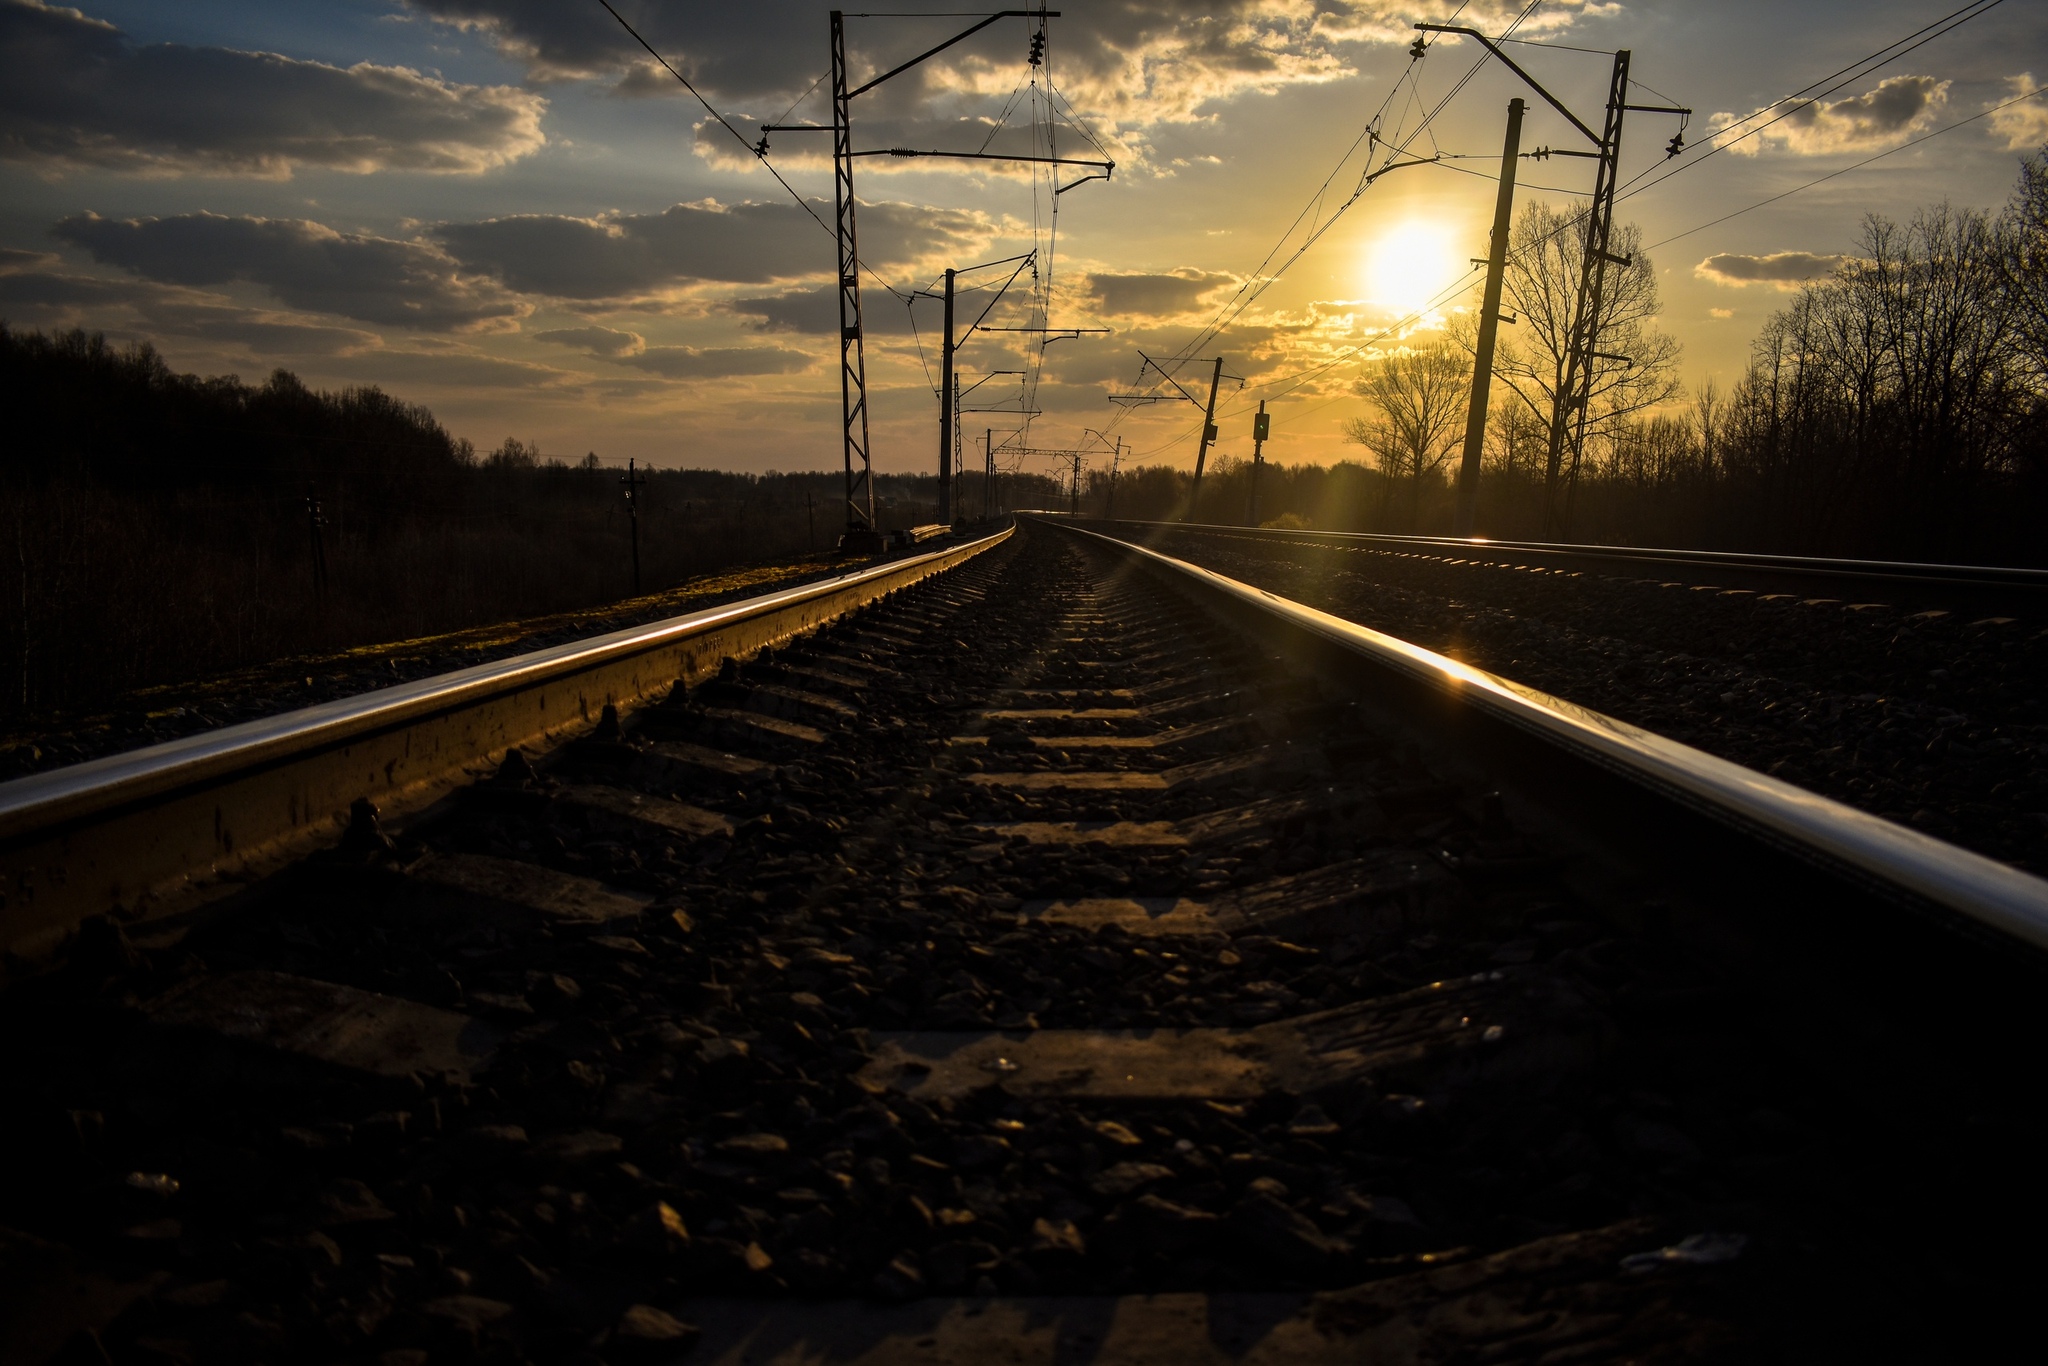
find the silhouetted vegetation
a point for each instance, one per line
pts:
(156, 526)
(1897, 409)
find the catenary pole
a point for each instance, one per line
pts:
(945, 515)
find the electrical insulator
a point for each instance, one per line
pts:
(1037, 49)
(1677, 146)
(1418, 49)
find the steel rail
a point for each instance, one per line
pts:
(157, 831)
(1578, 747)
(2012, 583)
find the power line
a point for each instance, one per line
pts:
(1238, 303)
(1854, 71)
(1959, 123)
(759, 155)
(1813, 92)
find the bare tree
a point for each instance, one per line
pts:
(1541, 287)
(2027, 262)
(1418, 396)
(1709, 412)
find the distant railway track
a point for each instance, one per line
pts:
(1983, 587)
(1075, 955)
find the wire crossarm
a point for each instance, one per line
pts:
(860, 495)
(1572, 403)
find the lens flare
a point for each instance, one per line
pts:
(1410, 263)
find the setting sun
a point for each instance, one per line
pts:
(1410, 263)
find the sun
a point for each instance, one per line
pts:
(1409, 264)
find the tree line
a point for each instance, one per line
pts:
(1897, 408)
(156, 526)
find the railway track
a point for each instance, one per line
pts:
(1955, 587)
(1072, 956)
(1912, 705)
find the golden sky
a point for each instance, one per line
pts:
(504, 210)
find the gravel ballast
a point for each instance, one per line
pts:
(1935, 720)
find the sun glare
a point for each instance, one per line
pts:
(1410, 263)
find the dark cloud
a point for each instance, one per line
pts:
(1778, 268)
(815, 312)
(1896, 107)
(459, 370)
(304, 264)
(59, 289)
(264, 334)
(13, 260)
(1154, 295)
(76, 90)
(597, 341)
(1136, 61)
(160, 311)
(623, 255)
(716, 362)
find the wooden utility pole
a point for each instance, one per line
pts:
(1262, 426)
(314, 522)
(1568, 409)
(633, 481)
(1208, 436)
(1489, 325)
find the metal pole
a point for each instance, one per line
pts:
(632, 480)
(1574, 389)
(314, 521)
(1489, 325)
(853, 371)
(945, 516)
(1208, 435)
(1603, 193)
(1259, 429)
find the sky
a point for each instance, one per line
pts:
(506, 211)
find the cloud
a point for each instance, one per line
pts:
(716, 362)
(304, 264)
(815, 312)
(75, 91)
(1896, 109)
(627, 255)
(597, 341)
(1129, 65)
(13, 260)
(141, 307)
(460, 370)
(1155, 295)
(1784, 269)
(2024, 126)
(1721, 313)
(60, 289)
(262, 332)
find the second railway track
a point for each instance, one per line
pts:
(1064, 960)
